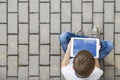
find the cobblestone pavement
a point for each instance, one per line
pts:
(29, 31)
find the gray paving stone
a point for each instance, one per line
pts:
(34, 44)
(44, 33)
(117, 22)
(55, 66)
(109, 0)
(44, 0)
(76, 6)
(55, 45)
(65, 0)
(117, 45)
(87, 0)
(87, 12)
(34, 5)
(66, 12)
(117, 65)
(66, 27)
(12, 65)
(109, 32)
(23, 33)
(34, 23)
(3, 55)
(55, 78)
(117, 4)
(3, 73)
(12, 44)
(55, 5)
(23, 12)
(117, 78)
(12, 5)
(98, 21)
(2, 0)
(98, 6)
(23, 73)
(44, 54)
(3, 34)
(76, 22)
(109, 12)
(23, 0)
(3, 11)
(87, 29)
(55, 23)
(44, 73)
(44, 12)
(9, 78)
(12, 23)
(108, 73)
(33, 65)
(33, 78)
(23, 54)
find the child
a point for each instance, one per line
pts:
(83, 66)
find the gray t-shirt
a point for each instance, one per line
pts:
(69, 73)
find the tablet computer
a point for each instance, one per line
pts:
(90, 44)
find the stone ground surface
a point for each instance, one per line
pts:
(29, 31)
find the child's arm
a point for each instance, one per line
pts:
(97, 64)
(67, 56)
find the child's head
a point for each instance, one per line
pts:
(83, 63)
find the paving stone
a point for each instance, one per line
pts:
(117, 64)
(12, 66)
(55, 66)
(34, 5)
(76, 6)
(66, 27)
(66, 12)
(109, 32)
(55, 44)
(55, 23)
(23, 33)
(87, 12)
(3, 55)
(3, 73)
(3, 11)
(23, 73)
(109, 12)
(65, 0)
(98, 6)
(9, 78)
(12, 44)
(2, 0)
(44, 33)
(55, 5)
(44, 73)
(117, 78)
(117, 5)
(55, 78)
(87, 29)
(109, 0)
(44, 0)
(23, 0)
(117, 45)
(23, 54)
(44, 54)
(117, 22)
(98, 21)
(109, 72)
(76, 22)
(34, 44)
(3, 34)
(12, 5)
(23, 12)
(33, 65)
(87, 0)
(34, 23)
(44, 12)
(12, 23)
(33, 78)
